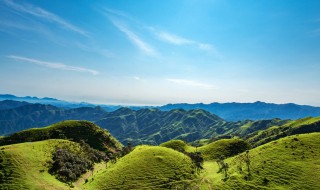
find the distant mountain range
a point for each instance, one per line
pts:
(228, 111)
(149, 125)
(54, 102)
(254, 111)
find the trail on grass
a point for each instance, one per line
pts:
(97, 168)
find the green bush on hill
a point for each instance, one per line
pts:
(69, 163)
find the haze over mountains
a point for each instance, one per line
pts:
(228, 111)
(139, 125)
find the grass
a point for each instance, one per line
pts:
(147, 167)
(289, 163)
(300, 126)
(223, 147)
(178, 145)
(24, 165)
(292, 162)
(73, 130)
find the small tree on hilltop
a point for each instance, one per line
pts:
(197, 159)
(223, 166)
(247, 159)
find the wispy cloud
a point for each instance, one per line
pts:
(191, 83)
(136, 78)
(135, 39)
(178, 40)
(116, 12)
(52, 65)
(43, 14)
(159, 34)
(173, 39)
(101, 51)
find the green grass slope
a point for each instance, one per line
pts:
(300, 126)
(24, 165)
(178, 145)
(211, 151)
(292, 162)
(223, 147)
(73, 130)
(146, 167)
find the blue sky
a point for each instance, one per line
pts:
(156, 52)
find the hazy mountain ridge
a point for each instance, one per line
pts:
(54, 102)
(254, 111)
(39, 115)
(144, 126)
(150, 125)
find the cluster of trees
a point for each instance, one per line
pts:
(68, 166)
(68, 163)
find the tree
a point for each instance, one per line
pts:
(223, 166)
(197, 159)
(245, 158)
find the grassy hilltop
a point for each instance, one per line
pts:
(281, 162)
(95, 136)
(147, 167)
(24, 166)
(292, 162)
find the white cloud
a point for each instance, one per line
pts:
(136, 40)
(41, 13)
(53, 65)
(207, 47)
(173, 39)
(178, 40)
(136, 78)
(192, 83)
(101, 51)
(116, 12)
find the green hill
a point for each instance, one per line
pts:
(300, 126)
(223, 147)
(211, 151)
(40, 115)
(93, 135)
(25, 166)
(289, 163)
(146, 167)
(178, 145)
(152, 126)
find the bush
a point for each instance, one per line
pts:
(68, 165)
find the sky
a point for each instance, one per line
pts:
(146, 52)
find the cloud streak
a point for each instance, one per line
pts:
(158, 34)
(52, 65)
(43, 14)
(191, 83)
(173, 39)
(178, 40)
(135, 39)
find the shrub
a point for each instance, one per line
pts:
(68, 165)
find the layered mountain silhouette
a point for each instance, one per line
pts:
(228, 111)
(142, 126)
(254, 111)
